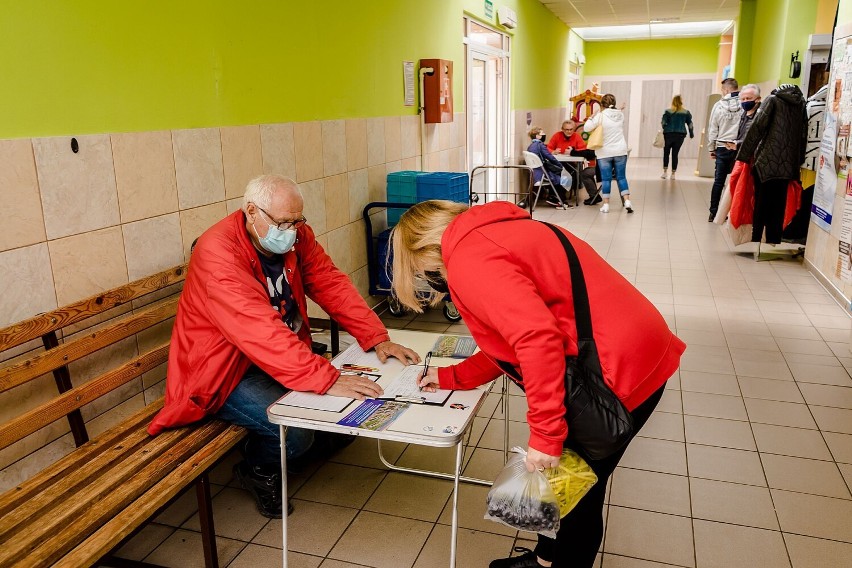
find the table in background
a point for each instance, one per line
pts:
(576, 163)
(423, 424)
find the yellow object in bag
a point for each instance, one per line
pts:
(570, 481)
(595, 141)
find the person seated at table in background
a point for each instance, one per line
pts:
(241, 338)
(569, 141)
(508, 275)
(557, 175)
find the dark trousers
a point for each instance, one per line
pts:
(581, 530)
(587, 176)
(674, 140)
(724, 164)
(770, 200)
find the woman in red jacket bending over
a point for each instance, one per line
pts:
(508, 276)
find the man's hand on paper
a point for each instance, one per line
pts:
(387, 349)
(354, 386)
(429, 383)
(537, 460)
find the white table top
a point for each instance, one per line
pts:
(568, 158)
(431, 425)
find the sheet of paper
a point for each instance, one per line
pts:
(315, 401)
(354, 355)
(405, 385)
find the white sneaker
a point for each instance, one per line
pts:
(628, 206)
(664, 175)
(673, 174)
(605, 208)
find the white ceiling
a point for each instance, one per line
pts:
(646, 13)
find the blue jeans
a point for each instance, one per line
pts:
(724, 164)
(607, 165)
(246, 407)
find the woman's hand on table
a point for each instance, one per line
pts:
(429, 383)
(537, 460)
(387, 349)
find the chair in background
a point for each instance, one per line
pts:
(534, 162)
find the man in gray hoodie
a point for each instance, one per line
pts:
(723, 127)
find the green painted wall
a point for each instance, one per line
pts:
(656, 56)
(765, 41)
(101, 66)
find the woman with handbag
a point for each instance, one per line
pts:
(509, 277)
(612, 155)
(676, 121)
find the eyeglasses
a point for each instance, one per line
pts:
(283, 225)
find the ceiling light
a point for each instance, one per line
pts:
(653, 30)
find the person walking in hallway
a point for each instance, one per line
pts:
(722, 128)
(612, 156)
(676, 122)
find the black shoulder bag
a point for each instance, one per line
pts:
(597, 419)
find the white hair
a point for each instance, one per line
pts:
(260, 190)
(753, 87)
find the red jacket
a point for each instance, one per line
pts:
(225, 322)
(561, 142)
(509, 278)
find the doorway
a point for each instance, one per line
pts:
(487, 104)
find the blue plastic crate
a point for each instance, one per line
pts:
(452, 186)
(402, 188)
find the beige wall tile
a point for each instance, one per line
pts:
(359, 193)
(393, 139)
(152, 245)
(122, 412)
(430, 139)
(314, 212)
(198, 166)
(377, 183)
(375, 141)
(23, 468)
(195, 221)
(336, 201)
(86, 264)
(279, 155)
(144, 174)
(461, 131)
(241, 157)
(23, 223)
(339, 249)
(308, 143)
(445, 135)
(357, 245)
(356, 143)
(27, 283)
(77, 190)
(234, 204)
(409, 136)
(361, 279)
(334, 147)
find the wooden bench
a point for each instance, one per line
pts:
(80, 508)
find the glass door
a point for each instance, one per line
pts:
(487, 108)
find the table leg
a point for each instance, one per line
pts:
(454, 530)
(283, 433)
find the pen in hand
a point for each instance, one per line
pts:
(425, 370)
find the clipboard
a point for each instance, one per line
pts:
(437, 398)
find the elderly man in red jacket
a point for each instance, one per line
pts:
(241, 337)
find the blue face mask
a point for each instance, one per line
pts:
(748, 105)
(276, 241)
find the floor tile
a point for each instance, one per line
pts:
(720, 545)
(339, 484)
(833, 419)
(234, 515)
(808, 552)
(411, 496)
(714, 406)
(145, 541)
(304, 533)
(732, 503)
(797, 442)
(827, 395)
(472, 548)
(655, 455)
(616, 561)
(715, 432)
(255, 555)
(779, 413)
(725, 464)
(805, 476)
(471, 511)
(651, 536)
(840, 446)
(183, 550)
(770, 389)
(821, 374)
(401, 550)
(812, 515)
(712, 383)
(650, 491)
(664, 426)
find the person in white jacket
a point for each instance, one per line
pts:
(723, 128)
(612, 156)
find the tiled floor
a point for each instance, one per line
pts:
(746, 463)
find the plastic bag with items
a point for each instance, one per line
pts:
(536, 501)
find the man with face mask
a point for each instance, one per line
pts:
(241, 338)
(750, 103)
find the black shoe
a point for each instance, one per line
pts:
(526, 560)
(711, 218)
(265, 487)
(593, 200)
(552, 202)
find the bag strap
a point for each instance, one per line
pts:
(582, 311)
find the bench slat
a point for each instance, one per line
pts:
(23, 371)
(84, 511)
(121, 525)
(88, 452)
(78, 397)
(37, 326)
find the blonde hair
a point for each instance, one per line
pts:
(677, 103)
(533, 132)
(416, 246)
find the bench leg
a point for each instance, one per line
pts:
(205, 515)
